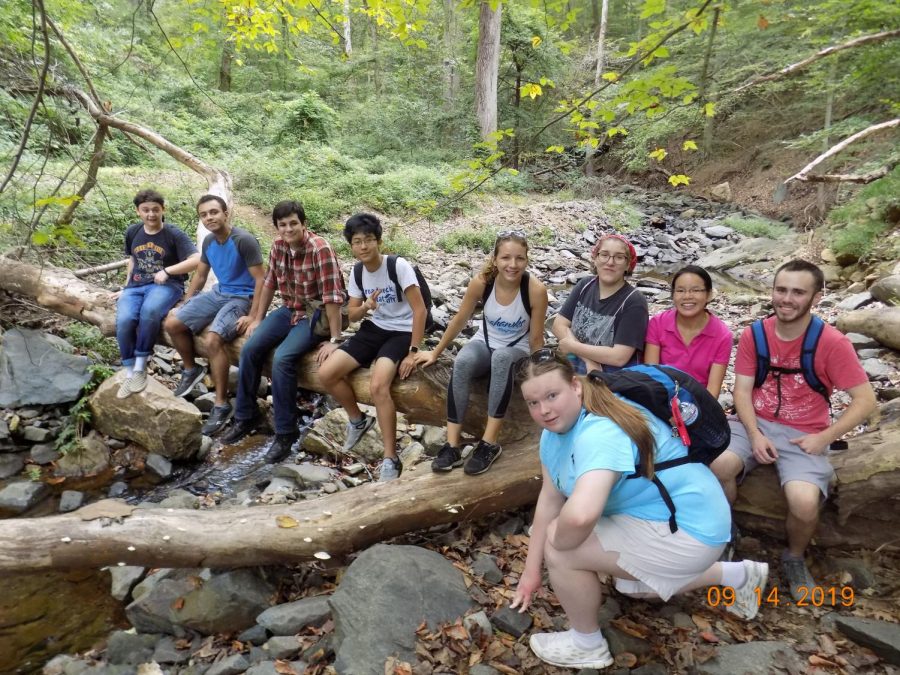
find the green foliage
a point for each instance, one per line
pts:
(69, 438)
(856, 226)
(623, 214)
(757, 227)
(92, 342)
(458, 240)
(308, 118)
(33, 471)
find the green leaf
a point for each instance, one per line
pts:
(709, 109)
(555, 148)
(610, 76)
(652, 7)
(40, 238)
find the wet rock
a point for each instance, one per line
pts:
(153, 419)
(752, 657)
(22, 495)
(91, 458)
(373, 621)
(291, 617)
(305, 474)
(130, 649)
(232, 665)
(881, 637)
(33, 371)
(511, 621)
(222, 603)
(876, 369)
(485, 566)
(282, 646)
(887, 289)
(854, 301)
(70, 500)
(118, 489)
(159, 465)
(10, 464)
(478, 623)
(43, 453)
(124, 579)
(37, 435)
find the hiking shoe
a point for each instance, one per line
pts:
(189, 379)
(281, 447)
(356, 430)
(559, 649)
(795, 575)
(133, 385)
(482, 457)
(747, 598)
(240, 429)
(217, 419)
(391, 468)
(447, 459)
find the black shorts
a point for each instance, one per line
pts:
(371, 343)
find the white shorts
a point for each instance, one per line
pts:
(651, 553)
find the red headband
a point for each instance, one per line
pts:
(632, 254)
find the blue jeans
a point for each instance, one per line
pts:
(139, 313)
(290, 343)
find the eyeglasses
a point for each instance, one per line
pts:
(619, 258)
(509, 234)
(368, 241)
(689, 291)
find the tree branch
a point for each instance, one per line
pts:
(91, 179)
(42, 80)
(794, 67)
(861, 178)
(74, 56)
(802, 174)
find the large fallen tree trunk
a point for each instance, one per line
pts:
(865, 506)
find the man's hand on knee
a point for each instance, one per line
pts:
(763, 450)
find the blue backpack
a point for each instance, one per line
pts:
(807, 360)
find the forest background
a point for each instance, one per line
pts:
(422, 109)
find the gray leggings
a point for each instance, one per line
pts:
(476, 360)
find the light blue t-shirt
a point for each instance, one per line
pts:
(701, 508)
(230, 261)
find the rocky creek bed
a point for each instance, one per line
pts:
(326, 616)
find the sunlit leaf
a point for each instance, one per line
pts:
(689, 145)
(286, 521)
(555, 148)
(610, 76)
(709, 109)
(659, 154)
(536, 41)
(679, 179)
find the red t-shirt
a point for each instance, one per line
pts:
(802, 408)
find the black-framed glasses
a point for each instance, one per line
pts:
(542, 355)
(619, 258)
(509, 234)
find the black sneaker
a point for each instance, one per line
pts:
(795, 575)
(239, 429)
(217, 419)
(281, 447)
(448, 458)
(189, 379)
(482, 457)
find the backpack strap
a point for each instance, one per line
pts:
(808, 357)
(761, 344)
(357, 277)
(392, 275)
(523, 291)
(488, 289)
(584, 288)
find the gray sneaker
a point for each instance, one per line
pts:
(795, 575)
(391, 468)
(217, 419)
(356, 430)
(748, 597)
(189, 379)
(133, 385)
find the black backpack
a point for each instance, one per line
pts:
(430, 324)
(681, 401)
(526, 301)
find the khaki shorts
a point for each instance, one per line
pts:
(792, 462)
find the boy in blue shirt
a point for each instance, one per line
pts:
(235, 258)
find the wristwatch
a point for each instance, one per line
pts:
(335, 340)
(413, 350)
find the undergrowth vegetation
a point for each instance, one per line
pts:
(858, 225)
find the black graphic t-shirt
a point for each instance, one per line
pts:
(152, 252)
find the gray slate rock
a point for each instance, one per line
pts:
(22, 495)
(159, 465)
(486, 566)
(751, 657)
(510, 621)
(481, 669)
(717, 231)
(124, 579)
(33, 371)
(130, 649)
(10, 465)
(478, 622)
(305, 474)
(233, 665)
(292, 617)
(876, 369)
(620, 642)
(887, 289)
(263, 668)
(854, 301)
(70, 500)
(282, 646)
(881, 637)
(43, 453)
(255, 635)
(37, 434)
(117, 489)
(179, 499)
(384, 596)
(166, 652)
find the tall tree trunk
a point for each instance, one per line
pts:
(705, 78)
(826, 142)
(517, 107)
(589, 169)
(487, 67)
(451, 63)
(225, 66)
(348, 45)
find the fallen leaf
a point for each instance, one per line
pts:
(457, 632)
(178, 604)
(286, 521)
(816, 660)
(709, 636)
(626, 660)
(284, 667)
(55, 481)
(701, 622)
(503, 668)
(762, 23)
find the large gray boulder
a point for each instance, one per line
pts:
(33, 370)
(328, 434)
(748, 250)
(384, 596)
(887, 289)
(200, 601)
(153, 418)
(22, 495)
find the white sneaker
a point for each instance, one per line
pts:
(558, 649)
(747, 598)
(391, 468)
(355, 431)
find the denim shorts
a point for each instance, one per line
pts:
(216, 310)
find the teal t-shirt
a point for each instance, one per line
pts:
(598, 443)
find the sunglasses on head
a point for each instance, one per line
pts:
(509, 234)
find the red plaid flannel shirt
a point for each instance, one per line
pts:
(312, 273)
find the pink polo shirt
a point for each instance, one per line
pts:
(712, 345)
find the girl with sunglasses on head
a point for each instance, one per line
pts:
(507, 333)
(591, 520)
(688, 336)
(603, 323)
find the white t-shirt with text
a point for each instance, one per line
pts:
(392, 313)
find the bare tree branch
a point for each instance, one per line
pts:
(861, 178)
(91, 179)
(38, 97)
(794, 67)
(868, 131)
(74, 56)
(108, 267)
